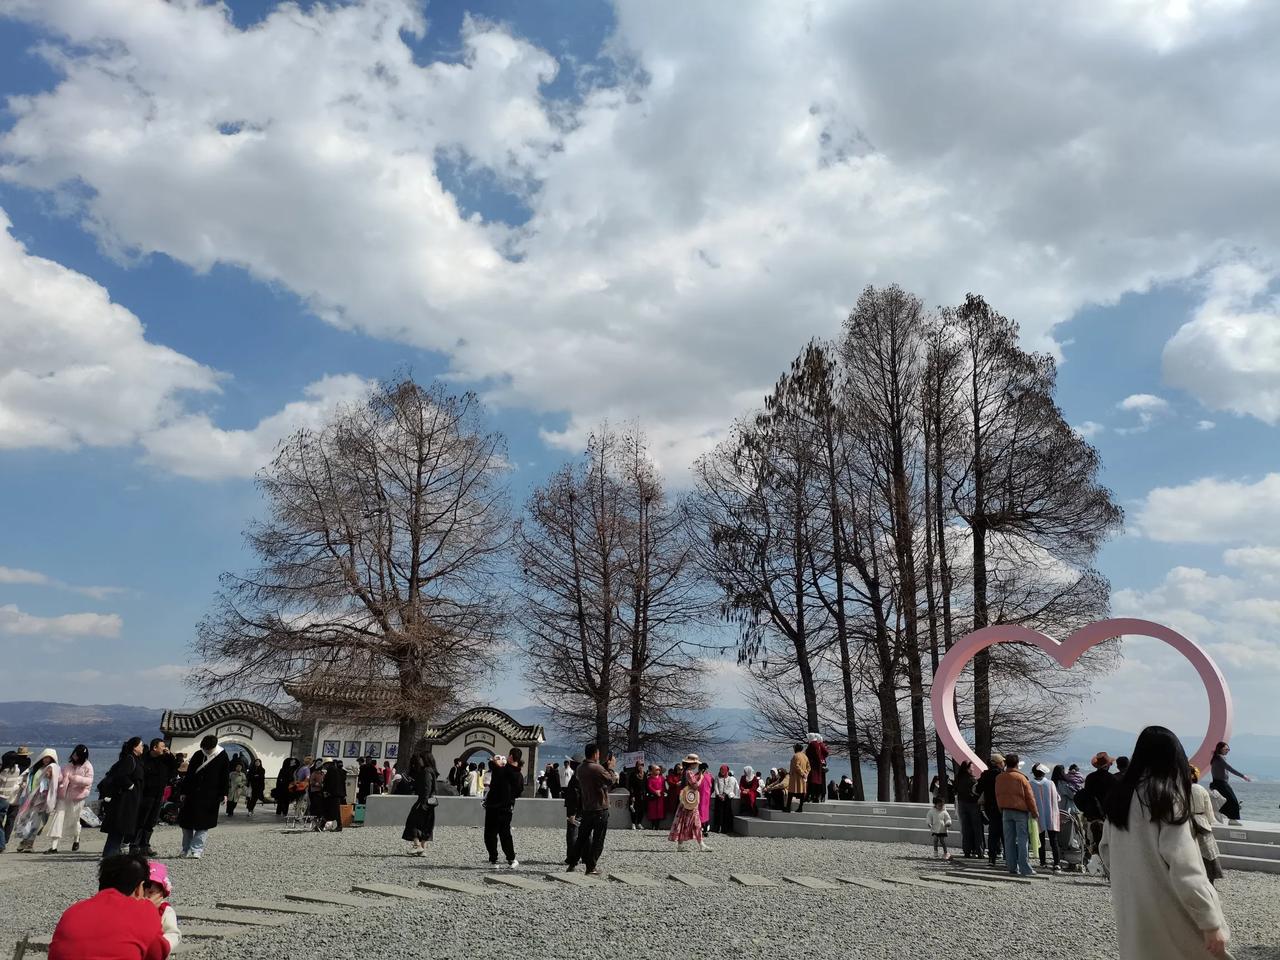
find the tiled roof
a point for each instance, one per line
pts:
(225, 711)
(517, 733)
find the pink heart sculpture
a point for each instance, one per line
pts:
(1067, 653)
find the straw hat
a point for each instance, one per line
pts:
(24, 751)
(692, 758)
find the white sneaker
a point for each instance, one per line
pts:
(704, 848)
(513, 865)
(1234, 823)
(194, 856)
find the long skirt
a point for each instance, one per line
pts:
(687, 826)
(420, 825)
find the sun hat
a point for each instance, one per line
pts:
(24, 751)
(1102, 760)
(692, 758)
(1039, 768)
(158, 874)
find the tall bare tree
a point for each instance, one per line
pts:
(1023, 475)
(379, 559)
(609, 592)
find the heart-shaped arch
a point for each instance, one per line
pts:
(1067, 653)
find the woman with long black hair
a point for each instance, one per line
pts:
(1165, 906)
(1220, 781)
(420, 825)
(121, 793)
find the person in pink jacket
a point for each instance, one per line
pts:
(704, 804)
(74, 784)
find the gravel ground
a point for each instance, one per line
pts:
(1062, 917)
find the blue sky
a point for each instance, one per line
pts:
(224, 218)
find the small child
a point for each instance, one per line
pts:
(938, 820)
(158, 889)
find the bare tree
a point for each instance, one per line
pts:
(1024, 474)
(379, 559)
(609, 590)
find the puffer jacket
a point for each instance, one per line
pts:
(10, 783)
(76, 782)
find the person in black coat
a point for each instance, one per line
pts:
(335, 793)
(505, 786)
(121, 793)
(420, 825)
(284, 781)
(158, 768)
(204, 791)
(257, 777)
(986, 790)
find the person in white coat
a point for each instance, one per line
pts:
(1165, 907)
(74, 785)
(1046, 794)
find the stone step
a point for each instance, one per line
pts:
(867, 883)
(330, 898)
(960, 881)
(911, 882)
(993, 876)
(1242, 848)
(692, 880)
(812, 883)
(208, 931)
(752, 880)
(213, 915)
(529, 884)
(575, 879)
(393, 891)
(279, 906)
(454, 886)
(634, 880)
(845, 817)
(831, 830)
(1255, 864)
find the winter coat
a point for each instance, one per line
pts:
(798, 778)
(817, 753)
(1160, 893)
(75, 782)
(938, 820)
(10, 784)
(1202, 821)
(121, 792)
(704, 801)
(237, 785)
(1013, 792)
(257, 777)
(655, 788)
(1046, 795)
(505, 786)
(157, 772)
(203, 790)
(335, 784)
(966, 786)
(985, 791)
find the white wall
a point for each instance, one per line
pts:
(258, 742)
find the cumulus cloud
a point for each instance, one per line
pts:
(1089, 429)
(693, 218)
(77, 369)
(1213, 510)
(193, 446)
(67, 626)
(1228, 354)
(1147, 406)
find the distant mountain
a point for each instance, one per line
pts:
(36, 724)
(732, 724)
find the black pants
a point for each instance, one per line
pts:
(497, 828)
(971, 828)
(591, 833)
(148, 814)
(995, 835)
(1053, 843)
(283, 799)
(637, 813)
(570, 839)
(333, 810)
(1230, 809)
(795, 796)
(253, 801)
(722, 815)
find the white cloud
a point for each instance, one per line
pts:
(1262, 559)
(694, 221)
(193, 446)
(75, 368)
(1147, 406)
(1228, 354)
(16, 623)
(33, 578)
(1213, 510)
(1089, 429)
(1205, 425)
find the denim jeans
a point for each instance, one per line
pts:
(193, 840)
(1016, 841)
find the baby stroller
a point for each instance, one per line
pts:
(1071, 840)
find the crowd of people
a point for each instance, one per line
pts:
(42, 798)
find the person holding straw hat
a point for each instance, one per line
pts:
(688, 822)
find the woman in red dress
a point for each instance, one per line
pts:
(688, 822)
(750, 788)
(656, 790)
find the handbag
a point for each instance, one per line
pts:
(690, 798)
